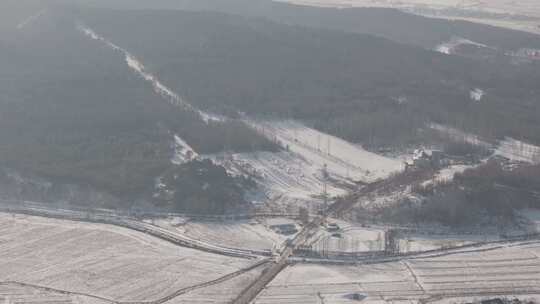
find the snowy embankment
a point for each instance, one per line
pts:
(107, 217)
(102, 260)
(249, 235)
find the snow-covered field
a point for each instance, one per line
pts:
(417, 243)
(528, 8)
(16, 293)
(522, 7)
(508, 270)
(222, 293)
(351, 239)
(102, 260)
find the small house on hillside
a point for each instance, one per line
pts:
(426, 159)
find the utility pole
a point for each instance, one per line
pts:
(328, 145)
(325, 190)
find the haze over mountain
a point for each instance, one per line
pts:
(253, 151)
(369, 76)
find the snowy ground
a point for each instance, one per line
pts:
(510, 148)
(102, 260)
(519, 151)
(222, 293)
(296, 177)
(252, 235)
(351, 239)
(447, 174)
(419, 243)
(282, 174)
(508, 270)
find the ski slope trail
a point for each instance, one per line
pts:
(138, 67)
(28, 21)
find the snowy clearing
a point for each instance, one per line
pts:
(296, 177)
(102, 260)
(447, 174)
(508, 270)
(510, 148)
(449, 47)
(458, 135)
(342, 159)
(182, 151)
(519, 151)
(282, 173)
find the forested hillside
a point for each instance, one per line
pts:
(360, 87)
(389, 23)
(72, 111)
